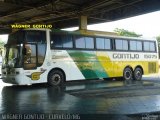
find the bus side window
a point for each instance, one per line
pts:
(79, 42)
(107, 43)
(149, 46)
(89, 41)
(39, 38)
(100, 43)
(146, 46)
(67, 41)
(125, 45)
(30, 57)
(103, 43)
(61, 41)
(152, 46)
(135, 45)
(139, 45)
(121, 44)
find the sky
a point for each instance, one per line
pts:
(147, 24)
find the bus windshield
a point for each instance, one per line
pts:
(13, 57)
(25, 49)
(13, 48)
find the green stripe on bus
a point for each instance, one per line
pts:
(88, 64)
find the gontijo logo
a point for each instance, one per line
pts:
(35, 75)
(25, 26)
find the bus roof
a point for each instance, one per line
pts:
(101, 34)
(94, 33)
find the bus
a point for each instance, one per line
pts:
(56, 56)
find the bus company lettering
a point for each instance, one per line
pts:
(150, 56)
(125, 56)
(26, 26)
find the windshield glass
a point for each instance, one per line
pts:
(25, 49)
(13, 56)
(13, 49)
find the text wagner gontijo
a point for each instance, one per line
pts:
(26, 26)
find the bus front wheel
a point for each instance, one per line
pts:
(55, 78)
(138, 74)
(127, 74)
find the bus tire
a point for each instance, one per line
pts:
(138, 74)
(127, 74)
(56, 78)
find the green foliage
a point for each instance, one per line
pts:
(1, 44)
(127, 33)
(158, 38)
(1, 47)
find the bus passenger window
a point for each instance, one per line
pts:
(135, 45)
(152, 46)
(67, 41)
(57, 41)
(125, 45)
(139, 45)
(61, 41)
(107, 44)
(89, 42)
(103, 43)
(121, 44)
(146, 46)
(100, 43)
(80, 42)
(84, 42)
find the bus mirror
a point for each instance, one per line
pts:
(24, 51)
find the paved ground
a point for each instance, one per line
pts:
(92, 100)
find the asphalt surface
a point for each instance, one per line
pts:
(94, 99)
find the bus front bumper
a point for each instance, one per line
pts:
(9, 79)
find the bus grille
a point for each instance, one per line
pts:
(152, 67)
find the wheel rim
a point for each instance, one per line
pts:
(56, 79)
(138, 75)
(128, 75)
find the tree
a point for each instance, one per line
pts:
(158, 38)
(127, 33)
(1, 44)
(1, 47)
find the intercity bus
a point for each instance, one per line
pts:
(56, 56)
